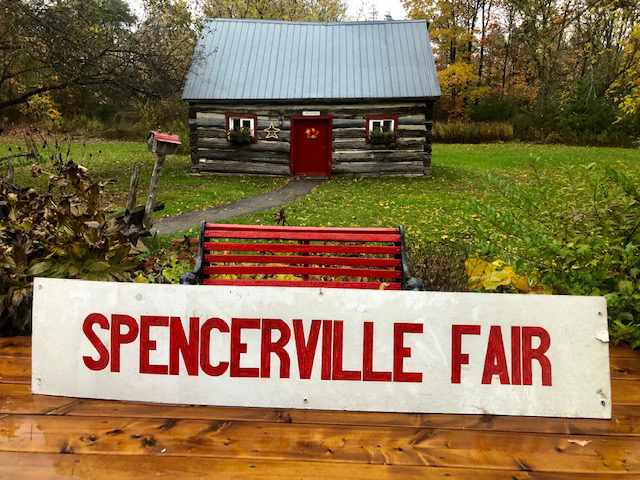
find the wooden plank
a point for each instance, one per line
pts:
(243, 166)
(625, 392)
(377, 155)
(349, 444)
(288, 270)
(378, 167)
(625, 367)
(17, 398)
(625, 421)
(25, 466)
(305, 260)
(420, 128)
(274, 110)
(303, 235)
(408, 139)
(270, 158)
(351, 133)
(298, 248)
(623, 351)
(305, 284)
(222, 143)
(15, 369)
(15, 346)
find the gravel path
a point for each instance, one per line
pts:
(295, 188)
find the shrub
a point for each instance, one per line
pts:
(441, 266)
(464, 132)
(577, 247)
(64, 232)
(494, 108)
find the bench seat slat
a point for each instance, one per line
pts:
(318, 271)
(315, 236)
(276, 228)
(305, 260)
(305, 283)
(301, 248)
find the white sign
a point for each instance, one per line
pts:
(322, 348)
(310, 113)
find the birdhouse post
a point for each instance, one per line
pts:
(162, 144)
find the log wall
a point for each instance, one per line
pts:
(352, 154)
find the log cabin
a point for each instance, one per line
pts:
(312, 99)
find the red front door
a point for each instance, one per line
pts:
(311, 146)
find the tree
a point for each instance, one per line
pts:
(63, 45)
(311, 10)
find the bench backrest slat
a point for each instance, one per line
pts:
(305, 260)
(315, 271)
(276, 228)
(310, 236)
(302, 248)
(309, 283)
(371, 258)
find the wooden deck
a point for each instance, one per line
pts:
(52, 437)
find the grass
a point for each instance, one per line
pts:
(441, 207)
(434, 208)
(111, 162)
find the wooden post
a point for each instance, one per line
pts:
(153, 188)
(133, 188)
(10, 173)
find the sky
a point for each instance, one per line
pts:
(354, 7)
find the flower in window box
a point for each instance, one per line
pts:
(240, 137)
(379, 137)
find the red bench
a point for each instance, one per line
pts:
(251, 255)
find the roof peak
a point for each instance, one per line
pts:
(300, 22)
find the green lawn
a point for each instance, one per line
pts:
(111, 162)
(430, 208)
(441, 207)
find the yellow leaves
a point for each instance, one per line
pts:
(491, 276)
(457, 76)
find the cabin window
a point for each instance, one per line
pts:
(381, 129)
(382, 124)
(240, 123)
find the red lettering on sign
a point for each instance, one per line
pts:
(205, 347)
(368, 374)
(268, 346)
(400, 352)
(457, 357)
(516, 358)
(495, 360)
(338, 338)
(103, 353)
(238, 347)
(306, 351)
(147, 345)
(118, 338)
(327, 335)
(180, 346)
(529, 354)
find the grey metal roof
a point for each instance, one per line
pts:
(273, 60)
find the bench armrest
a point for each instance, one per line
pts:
(193, 277)
(408, 282)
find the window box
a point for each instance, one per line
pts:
(241, 128)
(381, 130)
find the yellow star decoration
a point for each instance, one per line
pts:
(272, 131)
